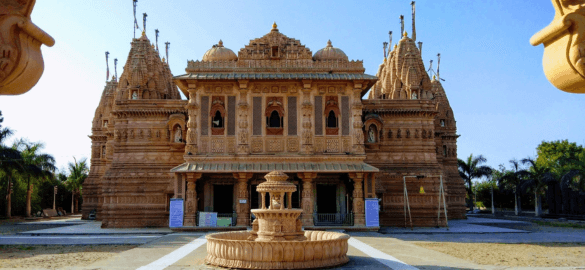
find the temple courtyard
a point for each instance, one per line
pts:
(475, 243)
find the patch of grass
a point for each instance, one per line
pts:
(26, 247)
(560, 224)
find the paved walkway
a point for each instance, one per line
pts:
(162, 249)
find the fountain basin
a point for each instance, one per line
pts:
(234, 250)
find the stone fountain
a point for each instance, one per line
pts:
(277, 240)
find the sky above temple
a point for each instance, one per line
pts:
(503, 104)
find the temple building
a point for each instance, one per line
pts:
(273, 105)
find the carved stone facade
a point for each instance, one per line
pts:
(274, 106)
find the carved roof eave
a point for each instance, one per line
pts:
(147, 112)
(98, 138)
(402, 112)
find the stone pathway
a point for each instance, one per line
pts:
(162, 249)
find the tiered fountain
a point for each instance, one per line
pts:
(277, 240)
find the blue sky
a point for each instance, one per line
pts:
(503, 104)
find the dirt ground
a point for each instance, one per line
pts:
(514, 255)
(57, 256)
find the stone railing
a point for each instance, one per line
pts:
(269, 65)
(320, 250)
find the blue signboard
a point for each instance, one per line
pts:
(207, 219)
(176, 213)
(372, 213)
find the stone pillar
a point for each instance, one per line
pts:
(192, 131)
(307, 198)
(243, 209)
(191, 200)
(243, 132)
(356, 112)
(307, 120)
(359, 217)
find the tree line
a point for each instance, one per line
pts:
(29, 178)
(560, 163)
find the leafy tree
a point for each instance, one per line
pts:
(10, 162)
(37, 166)
(574, 178)
(558, 156)
(512, 180)
(469, 170)
(78, 172)
(537, 177)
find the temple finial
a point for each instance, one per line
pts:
(420, 47)
(385, 44)
(167, 44)
(438, 65)
(156, 38)
(144, 15)
(134, 3)
(116, 68)
(220, 43)
(107, 66)
(274, 25)
(401, 23)
(413, 22)
(390, 34)
(329, 43)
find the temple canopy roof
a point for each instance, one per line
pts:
(232, 167)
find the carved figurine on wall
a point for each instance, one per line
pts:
(414, 95)
(178, 134)
(372, 134)
(134, 95)
(563, 60)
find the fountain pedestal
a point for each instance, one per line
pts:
(277, 240)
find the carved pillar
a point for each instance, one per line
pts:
(243, 133)
(356, 112)
(191, 202)
(243, 200)
(307, 198)
(192, 131)
(307, 120)
(359, 218)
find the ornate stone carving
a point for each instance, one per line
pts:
(257, 146)
(333, 145)
(20, 47)
(293, 145)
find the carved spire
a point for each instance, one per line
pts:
(413, 22)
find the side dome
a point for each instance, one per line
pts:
(330, 53)
(219, 52)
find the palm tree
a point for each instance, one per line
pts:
(536, 177)
(512, 181)
(78, 172)
(494, 179)
(9, 163)
(470, 169)
(36, 166)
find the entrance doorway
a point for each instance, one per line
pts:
(326, 199)
(223, 198)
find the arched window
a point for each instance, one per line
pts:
(331, 120)
(275, 121)
(217, 121)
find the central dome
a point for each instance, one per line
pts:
(219, 53)
(330, 53)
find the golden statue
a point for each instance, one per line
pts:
(564, 46)
(21, 60)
